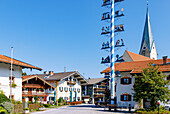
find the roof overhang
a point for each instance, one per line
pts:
(38, 78)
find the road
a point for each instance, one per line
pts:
(78, 109)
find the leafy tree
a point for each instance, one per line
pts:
(60, 100)
(152, 85)
(24, 74)
(36, 98)
(4, 98)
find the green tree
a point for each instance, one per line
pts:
(4, 98)
(152, 85)
(36, 98)
(24, 74)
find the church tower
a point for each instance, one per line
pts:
(148, 47)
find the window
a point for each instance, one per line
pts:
(70, 89)
(51, 98)
(126, 80)
(12, 81)
(11, 97)
(125, 97)
(78, 98)
(168, 78)
(74, 89)
(74, 80)
(61, 89)
(65, 89)
(78, 89)
(144, 48)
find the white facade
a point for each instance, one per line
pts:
(124, 89)
(67, 93)
(5, 81)
(65, 88)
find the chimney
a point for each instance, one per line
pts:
(51, 73)
(45, 72)
(165, 60)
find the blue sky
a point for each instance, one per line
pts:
(54, 34)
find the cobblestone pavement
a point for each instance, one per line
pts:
(80, 109)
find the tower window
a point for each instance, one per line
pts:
(144, 48)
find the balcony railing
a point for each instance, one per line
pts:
(99, 89)
(99, 95)
(71, 82)
(34, 93)
(32, 86)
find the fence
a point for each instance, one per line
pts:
(18, 108)
(34, 106)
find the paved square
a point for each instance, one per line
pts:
(79, 109)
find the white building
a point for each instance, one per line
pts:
(67, 85)
(16, 76)
(125, 77)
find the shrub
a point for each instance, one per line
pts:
(59, 104)
(18, 102)
(2, 92)
(14, 85)
(29, 102)
(8, 106)
(46, 105)
(60, 100)
(4, 98)
(3, 110)
(35, 98)
(26, 109)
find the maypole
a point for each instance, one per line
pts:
(110, 32)
(112, 53)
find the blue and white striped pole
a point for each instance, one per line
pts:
(112, 53)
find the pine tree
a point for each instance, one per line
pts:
(152, 85)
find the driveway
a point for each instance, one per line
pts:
(79, 109)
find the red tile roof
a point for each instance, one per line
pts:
(137, 57)
(137, 66)
(6, 59)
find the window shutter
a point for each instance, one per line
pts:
(130, 80)
(122, 81)
(122, 97)
(129, 98)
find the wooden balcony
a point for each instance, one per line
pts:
(99, 95)
(39, 94)
(100, 89)
(32, 86)
(104, 83)
(71, 82)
